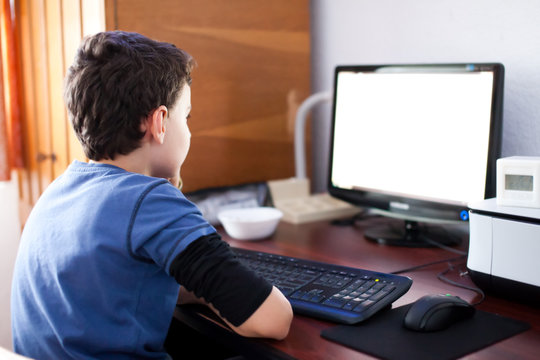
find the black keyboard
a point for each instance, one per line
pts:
(331, 292)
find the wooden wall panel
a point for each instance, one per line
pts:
(57, 114)
(71, 20)
(253, 70)
(29, 188)
(40, 92)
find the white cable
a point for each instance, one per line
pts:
(299, 130)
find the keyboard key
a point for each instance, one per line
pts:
(378, 296)
(363, 305)
(379, 286)
(317, 298)
(298, 294)
(335, 302)
(285, 290)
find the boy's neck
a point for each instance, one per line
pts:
(133, 162)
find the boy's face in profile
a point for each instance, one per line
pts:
(177, 139)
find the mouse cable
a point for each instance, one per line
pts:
(441, 276)
(428, 264)
(444, 247)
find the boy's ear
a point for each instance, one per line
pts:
(156, 122)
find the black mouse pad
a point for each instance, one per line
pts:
(385, 337)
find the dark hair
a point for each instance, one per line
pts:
(116, 80)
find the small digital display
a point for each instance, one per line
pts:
(519, 182)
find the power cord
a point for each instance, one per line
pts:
(428, 264)
(444, 247)
(442, 275)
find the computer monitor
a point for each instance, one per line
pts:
(416, 142)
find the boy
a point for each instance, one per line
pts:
(108, 242)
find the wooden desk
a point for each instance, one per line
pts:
(346, 246)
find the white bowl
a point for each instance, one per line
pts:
(250, 223)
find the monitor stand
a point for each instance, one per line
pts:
(411, 234)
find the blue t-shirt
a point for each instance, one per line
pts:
(91, 278)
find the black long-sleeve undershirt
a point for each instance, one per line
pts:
(210, 269)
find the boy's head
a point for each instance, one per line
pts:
(116, 81)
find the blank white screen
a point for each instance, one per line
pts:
(420, 135)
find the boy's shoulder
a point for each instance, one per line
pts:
(106, 172)
(99, 182)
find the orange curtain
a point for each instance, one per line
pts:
(10, 124)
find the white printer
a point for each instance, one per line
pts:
(504, 250)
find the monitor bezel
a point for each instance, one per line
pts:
(424, 209)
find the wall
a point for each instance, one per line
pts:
(9, 242)
(420, 31)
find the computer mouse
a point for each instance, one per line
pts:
(437, 312)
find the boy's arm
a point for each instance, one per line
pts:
(272, 319)
(188, 297)
(262, 323)
(247, 303)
